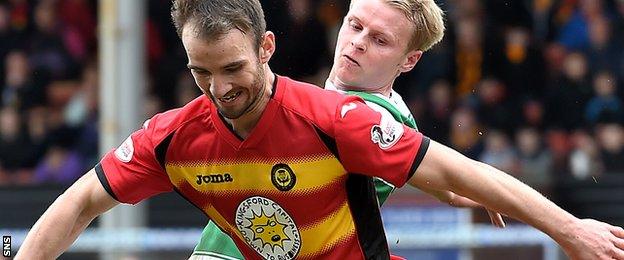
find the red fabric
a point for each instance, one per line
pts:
(234, 181)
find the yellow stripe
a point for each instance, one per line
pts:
(339, 226)
(220, 161)
(257, 176)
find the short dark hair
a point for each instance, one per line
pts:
(214, 18)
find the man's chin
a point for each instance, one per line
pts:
(350, 82)
(230, 114)
(347, 77)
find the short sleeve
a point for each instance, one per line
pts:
(132, 173)
(375, 144)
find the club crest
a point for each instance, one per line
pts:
(283, 177)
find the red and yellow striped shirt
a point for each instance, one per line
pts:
(300, 186)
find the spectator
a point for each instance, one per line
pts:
(574, 34)
(605, 100)
(465, 133)
(61, 165)
(584, 157)
(554, 57)
(14, 148)
(435, 120)
(499, 152)
(38, 135)
(532, 114)
(521, 67)
(493, 108)
(541, 12)
(20, 90)
(20, 16)
(82, 105)
(534, 160)
(49, 41)
(79, 16)
(603, 52)
(558, 143)
(469, 56)
(461, 9)
(610, 136)
(570, 93)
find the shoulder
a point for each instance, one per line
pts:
(313, 102)
(311, 99)
(318, 106)
(162, 124)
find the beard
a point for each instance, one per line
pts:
(255, 93)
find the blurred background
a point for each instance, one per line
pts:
(533, 87)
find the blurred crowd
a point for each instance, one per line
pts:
(533, 87)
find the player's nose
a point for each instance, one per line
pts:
(358, 42)
(220, 86)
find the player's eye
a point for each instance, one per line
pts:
(200, 72)
(355, 26)
(233, 69)
(380, 41)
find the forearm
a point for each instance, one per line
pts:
(54, 232)
(66, 218)
(446, 169)
(504, 193)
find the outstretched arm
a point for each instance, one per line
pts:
(458, 201)
(66, 218)
(445, 169)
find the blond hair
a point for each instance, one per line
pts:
(427, 18)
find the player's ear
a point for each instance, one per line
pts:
(267, 47)
(411, 58)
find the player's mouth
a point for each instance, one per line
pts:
(230, 97)
(350, 60)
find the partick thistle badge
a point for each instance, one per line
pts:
(283, 177)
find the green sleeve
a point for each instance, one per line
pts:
(215, 244)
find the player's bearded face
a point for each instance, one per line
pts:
(227, 70)
(249, 100)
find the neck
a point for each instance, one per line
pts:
(243, 125)
(385, 90)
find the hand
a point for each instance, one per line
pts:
(591, 239)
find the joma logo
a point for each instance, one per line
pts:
(214, 178)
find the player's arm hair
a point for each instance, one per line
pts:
(66, 218)
(443, 168)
